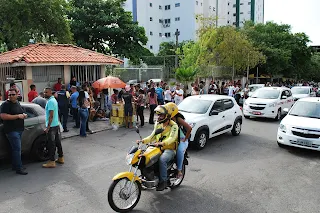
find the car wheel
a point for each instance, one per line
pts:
(278, 116)
(246, 117)
(39, 149)
(236, 128)
(201, 140)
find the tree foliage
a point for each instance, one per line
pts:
(287, 54)
(106, 27)
(41, 20)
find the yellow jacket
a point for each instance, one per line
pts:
(171, 136)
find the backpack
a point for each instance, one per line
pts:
(62, 99)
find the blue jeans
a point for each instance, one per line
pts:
(15, 142)
(83, 114)
(165, 158)
(180, 153)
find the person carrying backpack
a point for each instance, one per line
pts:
(63, 104)
(183, 135)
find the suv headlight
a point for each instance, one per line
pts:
(273, 105)
(129, 158)
(192, 124)
(283, 128)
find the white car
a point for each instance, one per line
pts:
(302, 92)
(268, 102)
(301, 127)
(252, 89)
(210, 116)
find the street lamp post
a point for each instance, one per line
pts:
(177, 33)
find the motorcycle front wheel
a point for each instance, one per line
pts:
(124, 195)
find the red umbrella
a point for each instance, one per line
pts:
(108, 82)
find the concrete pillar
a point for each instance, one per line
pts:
(27, 83)
(103, 71)
(66, 74)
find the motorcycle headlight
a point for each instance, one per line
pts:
(273, 105)
(283, 128)
(129, 158)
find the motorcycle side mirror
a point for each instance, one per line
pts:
(158, 131)
(137, 130)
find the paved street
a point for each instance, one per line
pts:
(248, 174)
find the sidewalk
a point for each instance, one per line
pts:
(96, 126)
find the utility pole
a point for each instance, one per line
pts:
(177, 33)
(217, 12)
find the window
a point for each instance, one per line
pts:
(228, 3)
(234, 14)
(167, 35)
(151, 19)
(150, 4)
(249, 12)
(151, 33)
(160, 34)
(197, 2)
(177, 19)
(160, 21)
(29, 112)
(241, 3)
(167, 7)
(160, 7)
(151, 47)
(201, 3)
(234, 5)
(241, 12)
(228, 13)
(234, 23)
(177, 4)
(228, 104)
(249, 3)
(228, 22)
(167, 21)
(217, 106)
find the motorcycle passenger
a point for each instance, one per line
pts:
(168, 144)
(184, 134)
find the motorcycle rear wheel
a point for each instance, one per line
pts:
(178, 182)
(136, 186)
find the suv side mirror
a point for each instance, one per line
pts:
(284, 97)
(214, 113)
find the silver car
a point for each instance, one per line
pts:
(33, 141)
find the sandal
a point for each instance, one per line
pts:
(179, 175)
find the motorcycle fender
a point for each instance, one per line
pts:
(128, 175)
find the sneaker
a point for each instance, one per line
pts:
(21, 172)
(90, 131)
(66, 130)
(162, 186)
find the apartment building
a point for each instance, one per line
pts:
(162, 18)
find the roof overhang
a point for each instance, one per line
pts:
(24, 64)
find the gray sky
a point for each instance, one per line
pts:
(303, 16)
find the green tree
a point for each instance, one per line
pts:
(185, 75)
(287, 53)
(106, 27)
(41, 20)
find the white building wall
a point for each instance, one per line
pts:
(183, 17)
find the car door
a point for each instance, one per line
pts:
(290, 100)
(30, 127)
(229, 112)
(4, 143)
(217, 118)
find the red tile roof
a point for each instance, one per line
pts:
(56, 53)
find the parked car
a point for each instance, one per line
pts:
(301, 127)
(33, 138)
(268, 102)
(302, 92)
(210, 116)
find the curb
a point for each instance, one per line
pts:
(93, 132)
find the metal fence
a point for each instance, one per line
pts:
(138, 74)
(8, 73)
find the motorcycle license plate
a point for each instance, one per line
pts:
(256, 113)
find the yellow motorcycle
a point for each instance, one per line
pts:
(125, 190)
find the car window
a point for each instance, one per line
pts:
(217, 106)
(228, 104)
(29, 112)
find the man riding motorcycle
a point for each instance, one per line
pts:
(167, 140)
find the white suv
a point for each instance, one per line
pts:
(210, 116)
(268, 102)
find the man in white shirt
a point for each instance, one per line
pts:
(231, 90)
(178, 95)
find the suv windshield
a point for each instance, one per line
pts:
(266, 94)
(300, 90)
(194, 106)
(306, 109)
